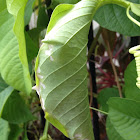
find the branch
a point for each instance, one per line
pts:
(114, 69)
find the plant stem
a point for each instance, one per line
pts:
(36, 131)
(114, 69)
(39, 2)
(45, 133)
(99, 110)
(131, 18)
(93, 45)
(122, 3)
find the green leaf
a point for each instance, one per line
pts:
(4, 129)
(66, 1)
(134, 1)
(25, 137)
(124, 115)
(113, 17)
(3, 85)
(13, 61)
(135, 9)
(15, 111)
(32, 47)
(34, 35)
(43, 18)
(104, 95)
(130, 75)
(4, 95)
(28, 11)
(15, 132)
(61, 75)
(111, 131)
(57, 2)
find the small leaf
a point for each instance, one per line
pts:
(4, 95)
(124, 115)
(34, 35)
(4, 129)
(43, 18)
(28, 11)
(3, 85)
(15, 111)
(31, 47)
(15, 132)
(104, 96)
(130, 76)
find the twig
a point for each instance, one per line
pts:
(37, 132)
(45, 133)
(114, 69)
(99, 110)
(29, 131)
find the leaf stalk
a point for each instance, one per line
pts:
(99, 110)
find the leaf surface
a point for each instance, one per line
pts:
(28, 11)
(135, 1)
(111, 131)
(3, 85)
(32, 47)
(104, 96)
(110, 15)
(124, 115)
(15, 110)
(57, 2)
(114, 18)
(61, 74)
(4, 95)
(13, 60)
(4, 129)
(15, 132)
(130, 76)
(43, 19)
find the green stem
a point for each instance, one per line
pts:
(45, 133)
(121, 3)
(99, 110)
(130, 17)
(39, 2)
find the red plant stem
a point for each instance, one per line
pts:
(121, 48)
(103, 72)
